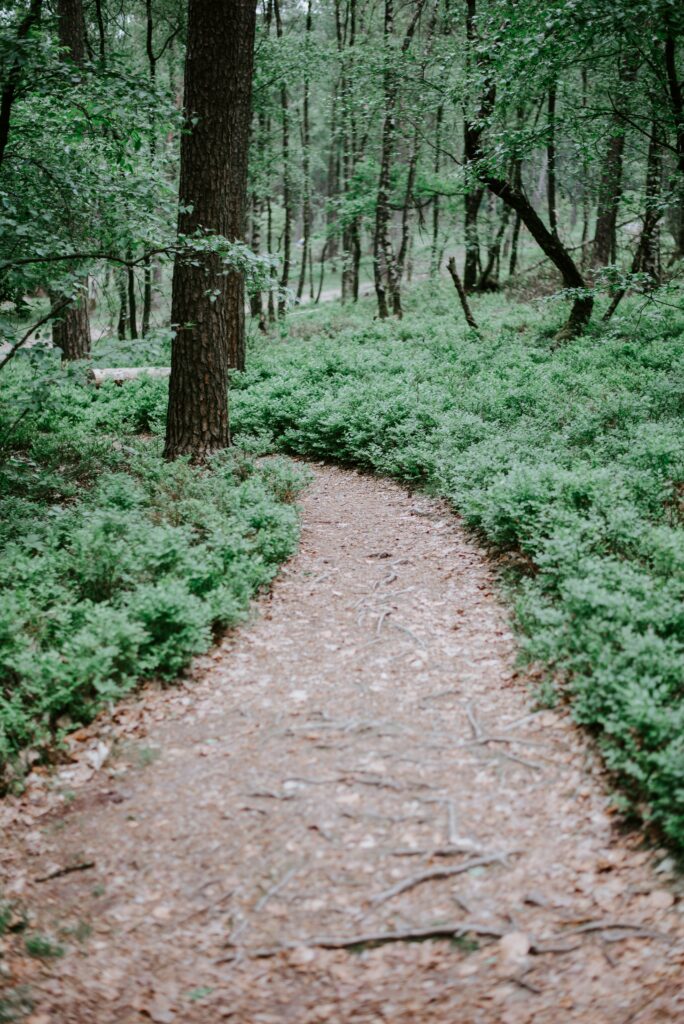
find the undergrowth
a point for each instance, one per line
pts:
(572, 458)
(116, 566)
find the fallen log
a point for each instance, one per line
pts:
(121, 374)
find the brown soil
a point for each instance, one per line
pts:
(366, 730)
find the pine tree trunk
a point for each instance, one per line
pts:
(213, 196)
(472, 135)
(71, 330)
(382, 254)
(306, 175)
(287, 184)
(610, 193)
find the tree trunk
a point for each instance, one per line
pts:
(463, 298)
(610, 193)
(650, 262)
(256, 306)
(551, 161)
(552, 247)
(434, 249)
(383, 260)
(213, 196)
(676, 95)
(405, 224)
(122, 324)
(287, 185)
(384, 264)
(71, 27)
(71, 330)
(472, 136)
(132, 305)
(306, 174)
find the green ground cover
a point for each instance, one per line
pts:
(567, 460)
(116, 566)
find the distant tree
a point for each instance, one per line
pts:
(207, 307)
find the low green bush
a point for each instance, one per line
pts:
(116, 566)
(571, 456)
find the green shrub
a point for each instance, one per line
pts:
(117, 566)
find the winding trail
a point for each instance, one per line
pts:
(362, 759)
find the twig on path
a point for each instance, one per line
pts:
(275, 889)
(85, 865)
(404, 629)
(615, 926)
(474, 724)
(532, 765)
(436, 873)
(454, 931)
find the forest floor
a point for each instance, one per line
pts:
(362, 760)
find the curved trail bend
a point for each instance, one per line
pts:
(359, 760)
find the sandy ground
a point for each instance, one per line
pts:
(360, 762)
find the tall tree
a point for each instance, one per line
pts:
(71, 327)
(207, 306)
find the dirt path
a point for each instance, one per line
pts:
(367, 729)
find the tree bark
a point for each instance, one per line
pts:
(71, 27)
(306, 173)
(71, 330)
(676, 95)
(384, 264)
(287, 184)
(207, 306)
(472, 137)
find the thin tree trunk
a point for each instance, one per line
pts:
(132, 305)
(463, 298)
(434, 249)
(551, 161)
(472, 135)
(122, 322)
(384, 264)
(489, 277)
(100, 32)
(382, 255)
(287, 185)
(306, 174)
(676, 94)
(213, 197)
(405, 224)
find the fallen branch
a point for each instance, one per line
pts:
(85, 865)
(120, 374)
(539, 947)
(470, 319)
(436, 873)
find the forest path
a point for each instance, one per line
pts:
(366, 729)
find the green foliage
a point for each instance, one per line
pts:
(117, 566)
(42, 947)
(572, 458)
